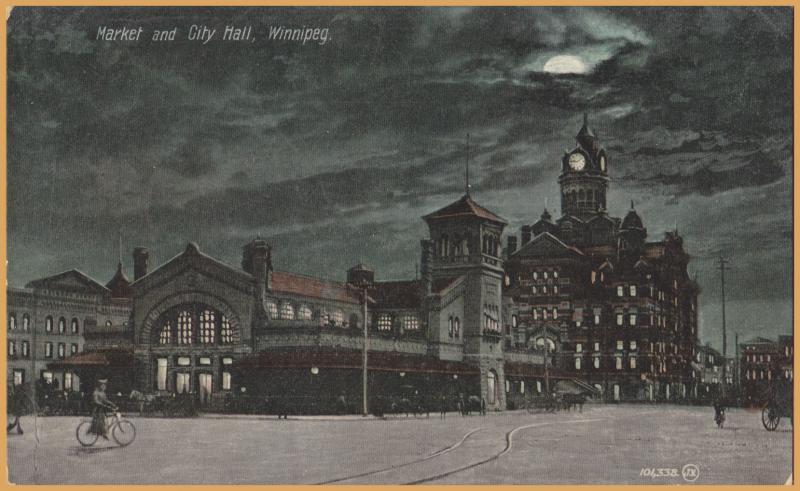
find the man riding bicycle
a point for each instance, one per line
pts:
(100, 405)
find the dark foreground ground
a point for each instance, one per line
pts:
(635, 444)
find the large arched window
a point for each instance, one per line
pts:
(48, 324)
(62, 325)
(304, 313)
(491, 387)
(73, 325)
(193, 324)
(26, 322)
(12, 322)
(287, 311)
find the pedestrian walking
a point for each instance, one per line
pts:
(16, 407)
(443, 406)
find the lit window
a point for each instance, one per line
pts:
(225, 331)
(12, 322)
(632, 290)
(12, 348)
(544, 314)
(62, 325)
(226, 380)
(514, 320)
(25, 349)
(597, 346)
(165, 335)
(632, 319)
(19, 377)
(184, 328)
(410, 323)
(596, 361)
(555, 274)
(450, 327)
(578, 347)
(618, 361)
(619, 319)
(384, 322)
(48, 350)
(287, 311)
(457, 327)
(545, 275)
(539, 386)
(544, 290)
(204, 360)
(73, 326)
(48, 377)
(48, 324)
(338, 318)
(207, 324)
(620, 291)
(555, 290)
(633, 362)
(536, 314)
(596, 319)
(304, 313)
(108, 323)
(594, 277)
(633, 344)
(555, 313)
(26, 322)
(272, 308)
(534, 289)
(577, 363)
(62, 350)
(182, 383)
(73, 348)
(620, 344)
(535, 275)
(68, 381)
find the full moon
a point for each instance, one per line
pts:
(565, 64)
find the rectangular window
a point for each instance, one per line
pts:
(632, 319)
(73, 349)
(161, 374)
(184, 361)
(227, 361)
(555, 274)
(619, 319)
(62, 350)
(226, 380)
(555, 290)
(539, 386)
(182, 383)
(577, 363)
(633, 362)
(594, 277)
(19, 377)
(596, 319)
(204, 360)
(522, 386)
(633, 344)
(67, 381)
(596, 362)
(545, 275)
(620, 345)
(47, 376)
(25, 349)
(48, 350)
(578, 347)
(620, 291)
(632, 290)
(555, 313)
(597, 346)
(12, 348)
(619, 362)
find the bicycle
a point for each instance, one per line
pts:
(122, 430)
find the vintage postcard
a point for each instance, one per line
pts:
(399, 245)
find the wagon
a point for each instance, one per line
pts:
(543, 404)
(779, 405)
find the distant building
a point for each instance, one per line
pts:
(765, 364)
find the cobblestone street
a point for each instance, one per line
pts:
(636, 444)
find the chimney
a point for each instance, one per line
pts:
(140, 259)
(526, 234)
(425, 265)
(257, 260)
(512, 245)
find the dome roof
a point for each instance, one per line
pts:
(632, 220)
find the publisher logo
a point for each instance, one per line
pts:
(690, 472)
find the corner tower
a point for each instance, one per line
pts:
(465, 242)
(584, 175)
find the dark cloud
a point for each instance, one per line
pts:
(335, 151)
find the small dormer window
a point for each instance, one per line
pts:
(384, 322)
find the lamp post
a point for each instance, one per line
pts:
(364, 381)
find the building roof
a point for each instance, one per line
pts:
(632, 220)
(119, 285)
(386, 361)
(464, 207)
(307, 286)
(72, 279)
(759, 340)
(397, 294)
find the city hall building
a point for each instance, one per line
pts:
(581, 303)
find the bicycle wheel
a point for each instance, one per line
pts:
(83, 435)
(124, 432)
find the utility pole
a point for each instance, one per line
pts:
(546, 371)
(722, 263)
(736, 380)
(364, 381)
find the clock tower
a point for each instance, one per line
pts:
(584, 176)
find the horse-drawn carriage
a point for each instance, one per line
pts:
(778, 405)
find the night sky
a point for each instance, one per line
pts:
(334, 151)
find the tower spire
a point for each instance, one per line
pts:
(467, 168)
(586, 119)
(119, 259)
(632, 205)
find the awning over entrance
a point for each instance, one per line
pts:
(377, 361)
(107, 358)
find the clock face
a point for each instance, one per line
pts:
(603, 163)
(577, 161)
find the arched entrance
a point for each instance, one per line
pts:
(491, 388)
